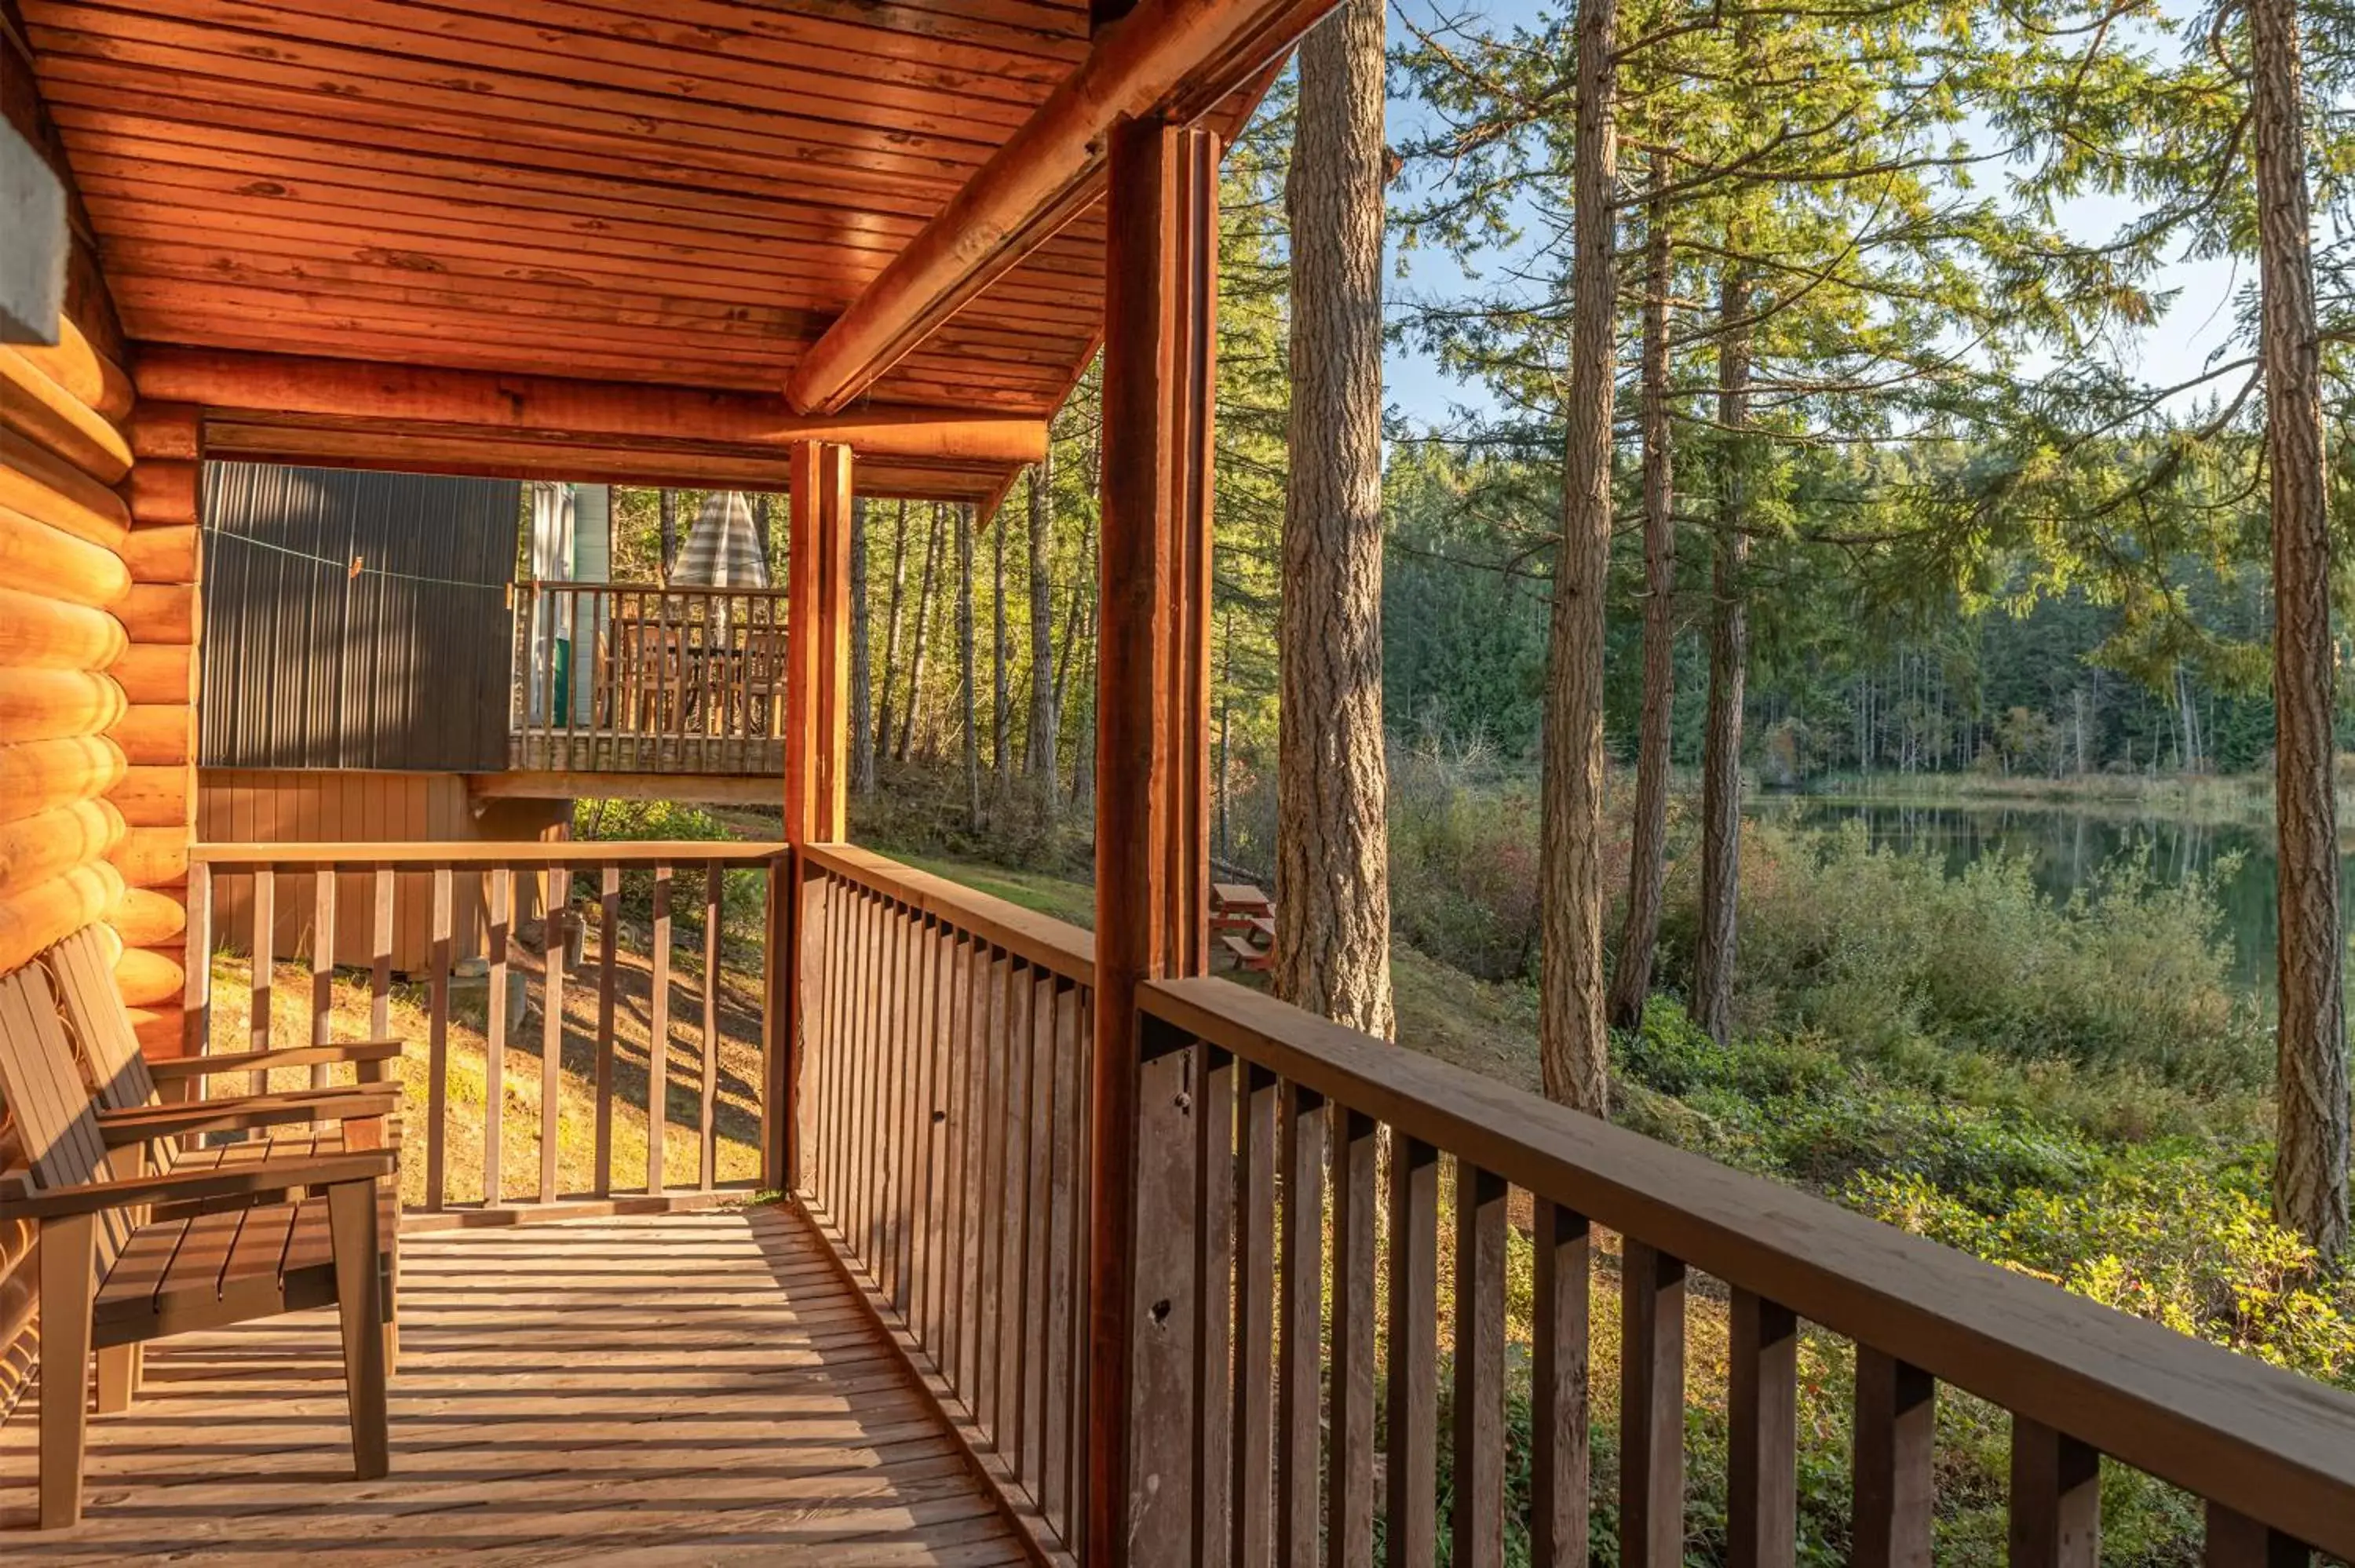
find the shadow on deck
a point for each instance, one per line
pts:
(672, 1388)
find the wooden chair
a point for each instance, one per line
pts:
(124, 1260)
(127, 1086)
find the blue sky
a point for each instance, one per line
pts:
(2197, 323)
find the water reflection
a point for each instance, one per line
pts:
(2066, 847)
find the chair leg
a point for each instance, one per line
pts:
(118, 1377)
(68, 1254)
(352, 1225)
(392, 1303)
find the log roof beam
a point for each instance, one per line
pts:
(1175, 59)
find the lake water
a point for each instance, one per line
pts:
(2066, 847)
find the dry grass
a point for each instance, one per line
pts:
(737, 1102)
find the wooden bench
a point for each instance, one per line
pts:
(124, 1260)
(1246, 955)
(129, 1090)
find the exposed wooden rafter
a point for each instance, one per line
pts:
(1175, 59)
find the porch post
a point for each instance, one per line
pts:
(818, 738)
(1152, 824)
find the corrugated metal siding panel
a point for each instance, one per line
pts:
(404, 666)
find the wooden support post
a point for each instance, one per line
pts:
(1152, 818)
(818, 762)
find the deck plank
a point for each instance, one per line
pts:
(684, 1387)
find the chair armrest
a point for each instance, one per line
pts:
(143, 1124)
(176, 1069)
(20, 1201)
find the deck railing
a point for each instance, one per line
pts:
(1263, 1132)
(346, 901)
(638, 678)
(943, 1108)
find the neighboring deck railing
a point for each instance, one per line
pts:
(473, 897)
(638, 678)
(944, 1094)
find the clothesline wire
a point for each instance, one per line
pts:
(364, 570)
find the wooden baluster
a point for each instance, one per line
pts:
(1896, 1427)
(1478, 1526)
(556, 915)
(2235, 1540)
(499, 891)
(323, 966)
(2056, 1498)
(1762, 1412)
(989, 1283)
(1214, 1303)
(964, 1152)
(658, 1037)
(1558, 1461)
(1349, 1489)
(1253, 1498)
(708, 1130)
(875, 1070)
(899, 1107)
(265, 937)
(1302, 1305)
(196, 970)
(609, 965)
(916, 1045)
(1060, 1319)
(1651, 1407)
(1015, 1153)
(1410, 1531)
(437, 1044)
(924, 1043)
(380, 959)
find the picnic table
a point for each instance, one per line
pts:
(1243, 919)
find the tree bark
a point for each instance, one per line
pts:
(862, 672)
(1573, 1043)
(1332, 838)
(1648, 858)
(667, 504)
(967, 704)
(2310, 1166)
(761, 526)
(883, 730)
(1039, 756)
(923, 620)
(1728, 660)
(1001, 732)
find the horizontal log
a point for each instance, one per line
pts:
(88, 376)
(156, 672)
(165, 492)
(38, 483)
(65, 566)
(170, 432)
(158, 1031)
(34, 848)
(33, 917)
(146, 976)
(149, 917)
(51, 634)
(535, 405)
(151, 857)
(41, 775)
(154, 734)
(49, 704)
(42, 411)
(160, 612)
(152, 796)
(164, 554)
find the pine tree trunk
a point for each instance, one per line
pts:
(1728, 660)
(1332, 838)
(1647, 858)
(862, 672)
(1573, 1044)
(890, 683)
(2310, 1167)
(924, 621)
(761, 526)
(967, 703)
(1001, 732)
(666, 503)
(1039, 756)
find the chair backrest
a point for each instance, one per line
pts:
(55, 1118)
(82, 969)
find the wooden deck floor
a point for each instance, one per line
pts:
(686, 1388)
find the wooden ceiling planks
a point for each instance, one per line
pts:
(565, 186)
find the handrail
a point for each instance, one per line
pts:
(413, 856)
(2265, 1443)
(1040, 940)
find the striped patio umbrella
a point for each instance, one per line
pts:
(723, 548)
